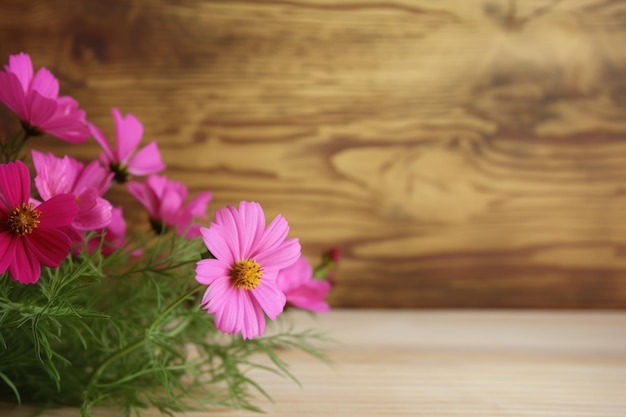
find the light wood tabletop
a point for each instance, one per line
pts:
(446, 363)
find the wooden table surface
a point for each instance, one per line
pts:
(447, 363)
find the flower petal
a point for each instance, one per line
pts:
(274, 235)
(7, 249)
(146, 161)
(59, 211)
(45, 84)
(226, 225)
(39, 110)
(217, 241)
(94, 212)
(280, 257)
(270, 298)
(25, 266)
(14, 184)
(102, 141)
(49, 247)
(129, 131)
(250, 222)
(209, 270)
(12, 94)
(22, 67)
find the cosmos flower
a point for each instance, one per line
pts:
(88, 183)
(301, 289)
(164, 199)
(125, 160)
(35, 99)
(31, 236)
(241, 276)
(114, 235)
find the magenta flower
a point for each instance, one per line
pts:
(36, 101)
(301, 289)
(124, 160)
(114, 235)
(164, 199)
(29, 236)
(88, 183)
(241, 277)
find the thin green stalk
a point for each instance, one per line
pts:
(140, 342)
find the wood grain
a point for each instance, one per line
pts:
(446, 363)
(464, 154)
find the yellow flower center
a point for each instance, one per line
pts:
(23, 219)
(246, 274)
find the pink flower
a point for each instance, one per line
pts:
(36, 101)
(29, 236)
(88, 183)
(114, 234)
(164, 199)
(241, 277)
(302, 291)
(125, 160)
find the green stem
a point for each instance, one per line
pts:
(20, 144)
(11, 148)
(140, 342)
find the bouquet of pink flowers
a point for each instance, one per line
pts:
(89, 315)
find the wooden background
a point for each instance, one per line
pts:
(460, 153)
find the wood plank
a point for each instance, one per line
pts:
(448, 363)
(464, 154)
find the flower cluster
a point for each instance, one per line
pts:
(249, 270)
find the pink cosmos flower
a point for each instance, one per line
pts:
(88, 183)
(29, 236)
(164, 199)
(302, 291)
(114, 234)
(241, 277)
(124, 160)
(36, 101)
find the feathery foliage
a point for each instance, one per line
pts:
(128, 331)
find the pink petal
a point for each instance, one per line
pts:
(209, 270)
(146, 161)
(273, 236)
(217, 241)
(7, 249)
(250, 222)
(240, 315)
(58, 211)
(93, 214)
(68, 122)
(93, 176)
(292, 277)
(54, 175)
(214, 299)
(22, 67)
(251, 318)
(45, 84)
(197, 206)
(129, 131)
(280, 257)
(310, 296)
(170, 205)
(102, 141)
(146, 196)
(25, 267)
(49, 247)
(12, 94)
(14, 184)
(270, 298)
(40, 109)
(225, 219)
